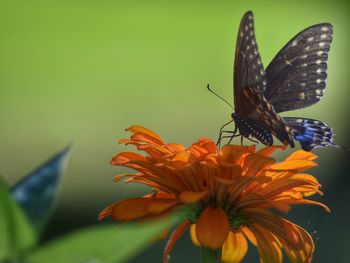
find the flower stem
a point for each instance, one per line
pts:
(210, 255)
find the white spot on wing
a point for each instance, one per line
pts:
(321, 44)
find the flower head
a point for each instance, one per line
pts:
(231, 195)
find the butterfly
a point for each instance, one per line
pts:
(295, 79)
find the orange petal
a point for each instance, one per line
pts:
(129, 209)
(212, 227)
(119, 177)
(249, 235)
(139, 129)
(192, 197)
(125, 157)
(173, 147)
(309, 202)
(254, 163)
(302, 155)
(193, 235)
(161, 195)
(174, 237)
(293, 165)
(158, 206)
(232, 155)
(268, 247)
(136, 208)
(235, 248)
(182, 158)
(268, 151)
(303, 251)
(203, 146)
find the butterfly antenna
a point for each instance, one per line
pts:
(208, 87)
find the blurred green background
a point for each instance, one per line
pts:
(82, 71)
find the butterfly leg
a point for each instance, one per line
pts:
(228, 137)
(257, 142)
(233, 135)
(222, 131)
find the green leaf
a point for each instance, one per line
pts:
(36, 192)
(17, 235)
(104, 244)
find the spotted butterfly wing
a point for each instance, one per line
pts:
(296, 78)
(254, 115)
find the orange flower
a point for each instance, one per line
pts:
(230, 195)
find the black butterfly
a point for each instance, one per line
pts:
(294, 79)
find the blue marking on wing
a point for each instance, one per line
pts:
(307, 136)
(311, 133)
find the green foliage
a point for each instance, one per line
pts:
(25, 210)
(107, 244)
(36, 192)
(17, 235)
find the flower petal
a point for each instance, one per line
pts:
(191, 196)
(254, 163)
(158, 206)
(212, 227)
(293, 165)
(174, 237)
(268, 247)
(193, 235)
(268, 151)
(203, 146)
(234, 155)
(235, 248)
(248, 234)
(139, 129)
(302, 155)
(136, 208)
(125, 157)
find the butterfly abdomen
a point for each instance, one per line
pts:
(248, 128)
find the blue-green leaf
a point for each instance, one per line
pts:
(104, 244)
(16, 233)
(36, 192)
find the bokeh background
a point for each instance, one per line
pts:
(82, 71)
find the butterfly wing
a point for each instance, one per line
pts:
(248, 69)
(296, 77)
(311, 133)
(258, 117)
(264, 120)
